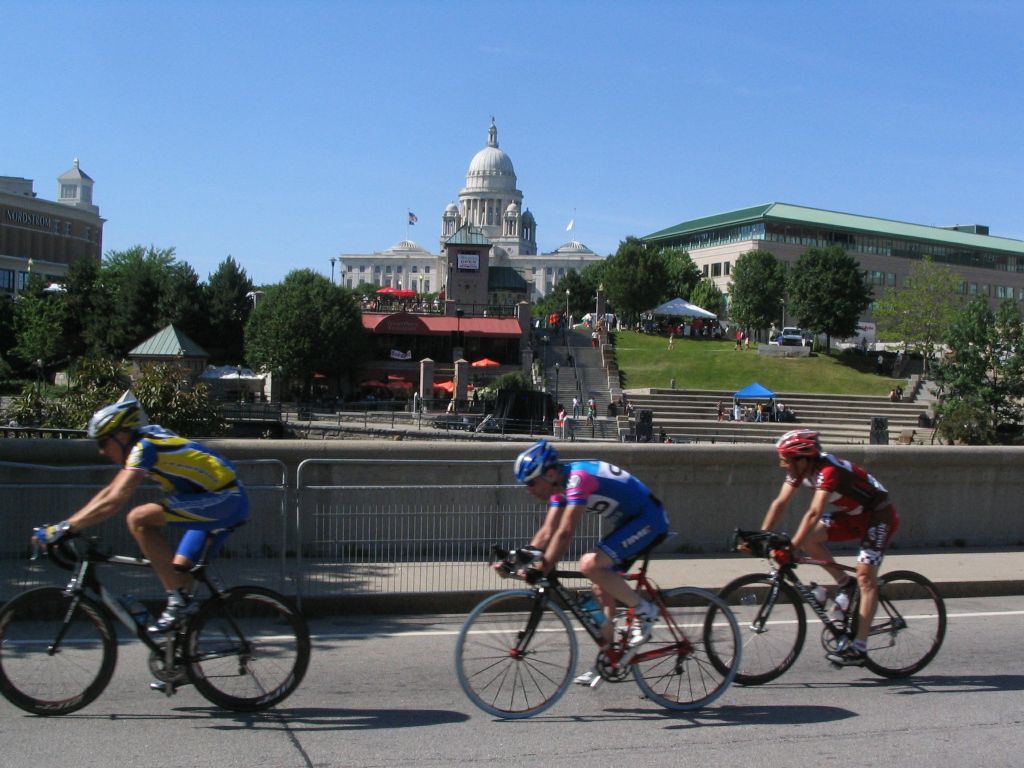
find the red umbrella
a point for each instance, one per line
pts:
(447, 386)
(485, 362)
(398, 293)
(372, 384)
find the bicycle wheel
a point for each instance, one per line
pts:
(909, 625)
(693, 653)
(54, 683)
(248, 649)
(515, 658)
(773, 626)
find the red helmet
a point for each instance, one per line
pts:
(799, 444)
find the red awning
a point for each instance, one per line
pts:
(485, 362)
(406, 324)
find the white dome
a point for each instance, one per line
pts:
(512, 207)
(452, 208)
(573, 246)
(491, 168)
(406, 246)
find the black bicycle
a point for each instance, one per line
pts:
(516, 654)
(245, 648)
(906, 633)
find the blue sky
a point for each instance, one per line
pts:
(285, 133)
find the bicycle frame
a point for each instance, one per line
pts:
(552, 588)
(788, 573)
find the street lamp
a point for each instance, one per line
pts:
(567, 292)
(556, 384)
(333, 259)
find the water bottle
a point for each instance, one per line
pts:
(591, 606)
(135, 609)
(819, 592)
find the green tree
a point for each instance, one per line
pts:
(920, 313)
(173, 400)
(129, 298)
(581, 297)
(981, 380)
(39, 320)
(227, 302)
(83, 322)
(182, 301)
(707, 296)
(757, 289)
(303, 326)
(636, 277)
(828, 292)
(683, 275)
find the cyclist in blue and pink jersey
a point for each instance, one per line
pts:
(203, 494)
(635, 516)
(861, 510)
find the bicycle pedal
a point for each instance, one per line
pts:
(161, 687)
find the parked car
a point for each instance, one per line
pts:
(793, 337)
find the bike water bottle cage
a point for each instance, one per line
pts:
(535, 461)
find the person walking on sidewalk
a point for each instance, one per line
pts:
(862, 509)
(633, 515)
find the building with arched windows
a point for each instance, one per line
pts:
(492, 203)
(45, 237)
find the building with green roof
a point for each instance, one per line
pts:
(989, 266)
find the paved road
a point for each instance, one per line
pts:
(381, 692)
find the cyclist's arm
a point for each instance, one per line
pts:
(812, 516)
(543, 536)
(108, 501)
(562, 535)
(778, 507)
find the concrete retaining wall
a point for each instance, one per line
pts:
(945, 495)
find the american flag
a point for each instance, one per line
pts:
(412, 218)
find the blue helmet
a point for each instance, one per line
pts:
(535, 461)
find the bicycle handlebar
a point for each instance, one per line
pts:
(760, 543)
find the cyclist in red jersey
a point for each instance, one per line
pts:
(861, 509)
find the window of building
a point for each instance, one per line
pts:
(972, 289)
(426, 270)
(67, 191)
(704, 270)
(7, 280)
(398, 269)
(376, 268)
(415, 269)
(716, 269)
(362, 268)
(387, 269)
(727, 265)
(890, 279)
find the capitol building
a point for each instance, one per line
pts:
(491, 203)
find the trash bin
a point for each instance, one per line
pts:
(613, 410)
(879, 430)
(644, 425)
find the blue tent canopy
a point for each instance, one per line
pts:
(755, 392)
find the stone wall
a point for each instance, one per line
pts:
(945, 495)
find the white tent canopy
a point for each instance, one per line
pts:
(230, 373)
(682, 308)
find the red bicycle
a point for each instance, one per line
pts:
(517, 651)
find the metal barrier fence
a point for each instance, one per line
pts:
(32, 494)
(348, 535)
(417, 534)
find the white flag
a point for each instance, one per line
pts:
(572, 223)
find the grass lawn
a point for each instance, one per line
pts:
(646, 361)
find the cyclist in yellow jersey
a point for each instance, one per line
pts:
(202, 487)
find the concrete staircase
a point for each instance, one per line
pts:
(581, 372)
(692, 416)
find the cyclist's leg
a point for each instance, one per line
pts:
(832, 528)
(200, 513)
(145, 523)
(620, 546)
(877, 535)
